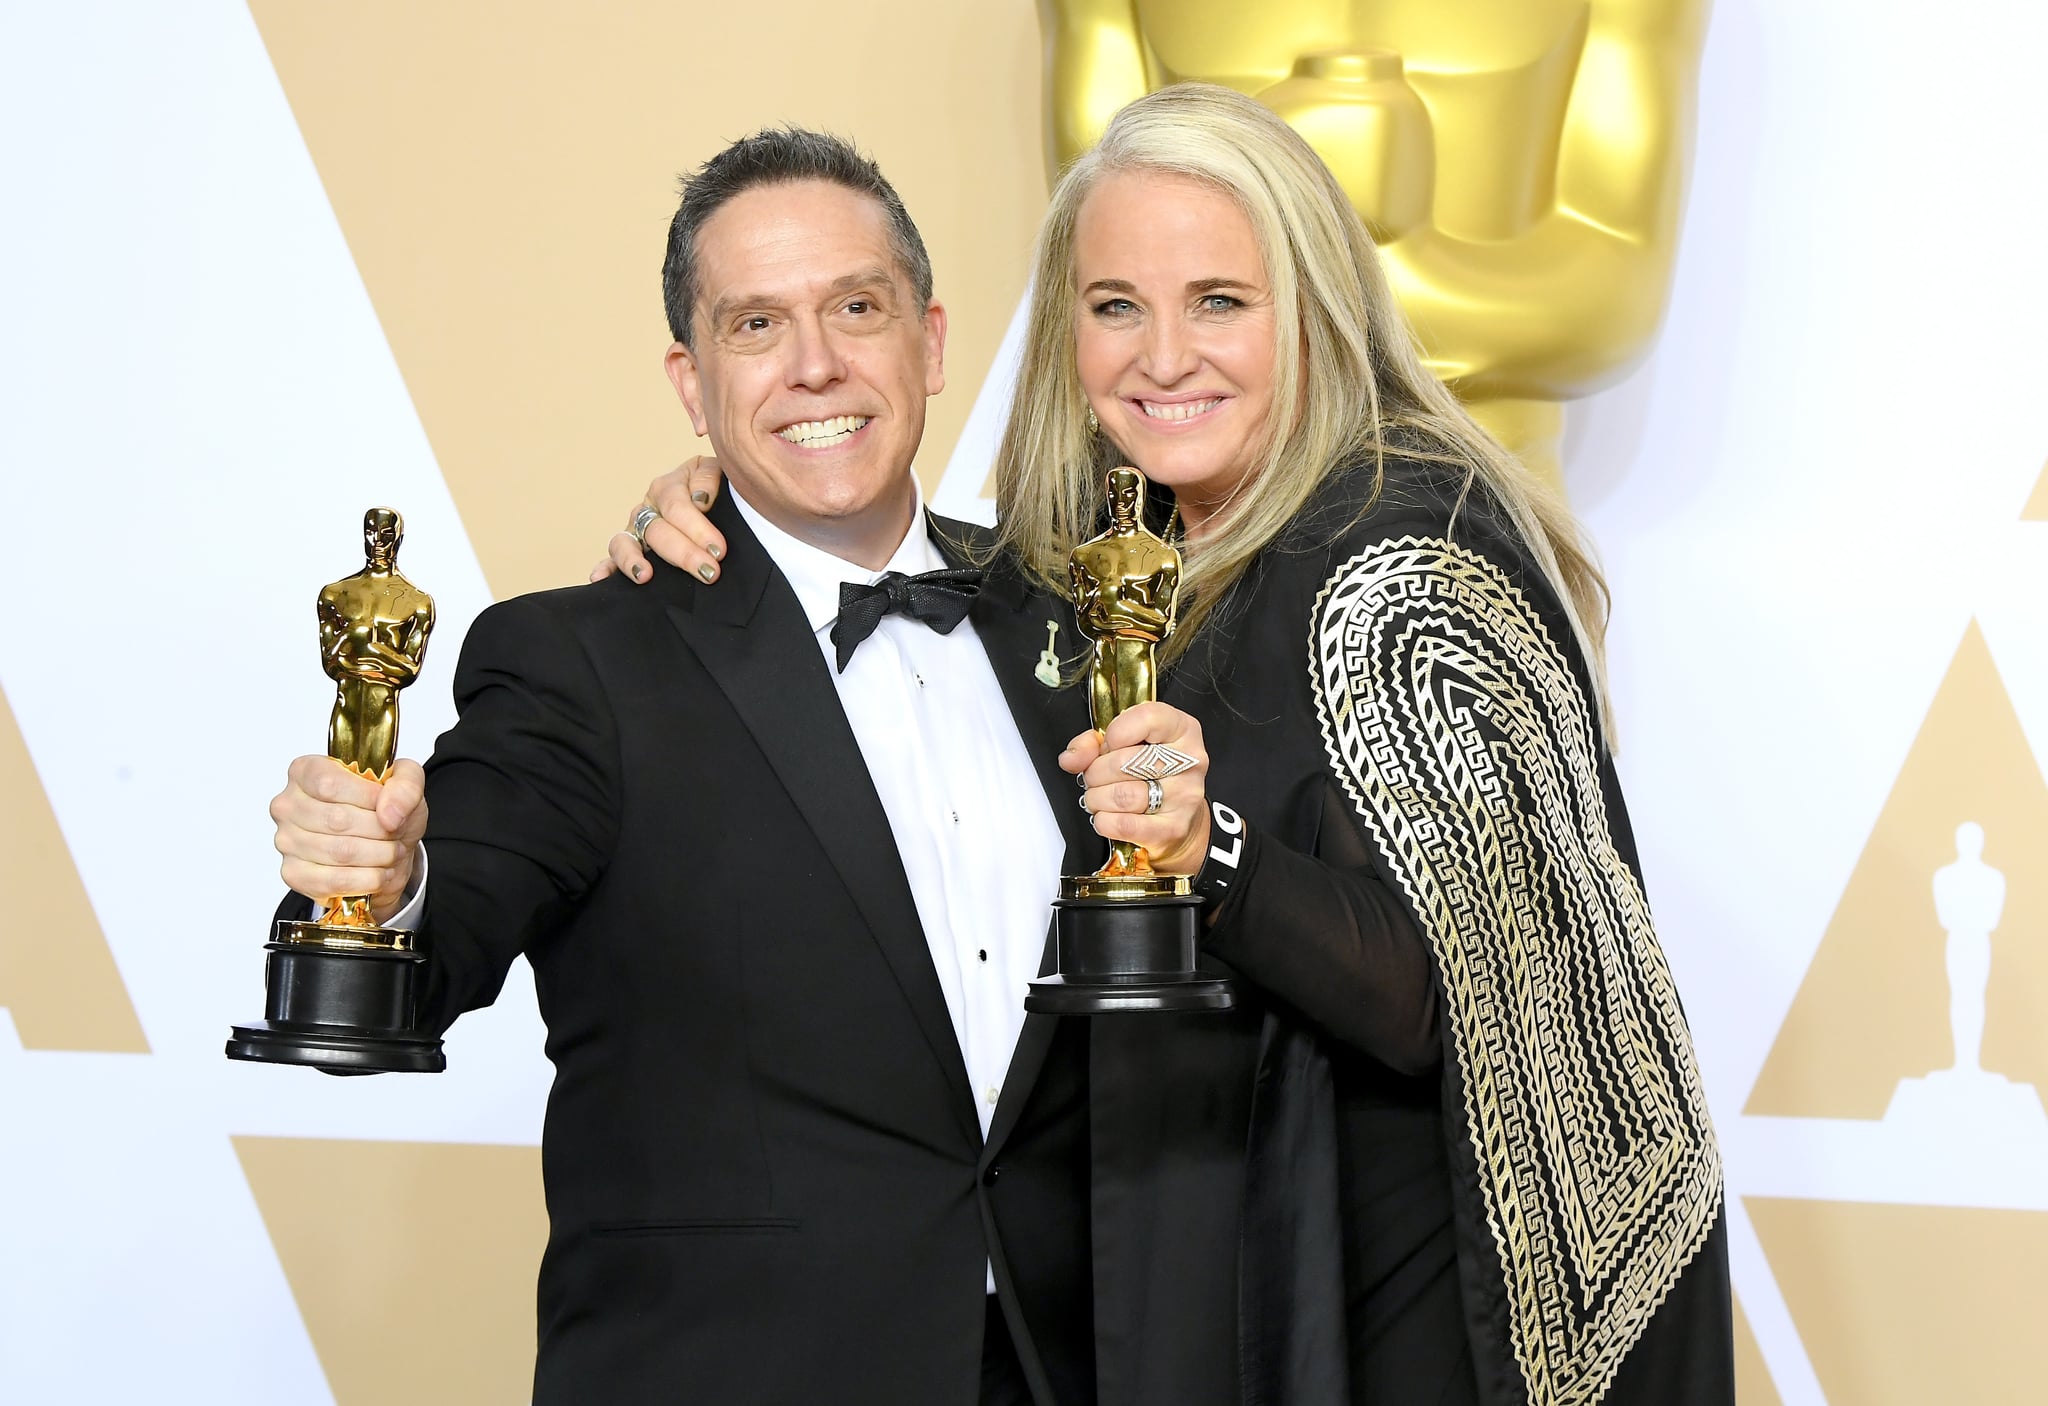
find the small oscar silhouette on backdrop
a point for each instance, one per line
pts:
(340, 990)
(1124, 935)
(1966, 1099)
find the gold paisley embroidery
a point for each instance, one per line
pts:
(1469, 750)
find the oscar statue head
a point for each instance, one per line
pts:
(1126, 487)
(383, 530)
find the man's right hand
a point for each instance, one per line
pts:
(343, 834)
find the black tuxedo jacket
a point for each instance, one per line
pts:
(765, 1177)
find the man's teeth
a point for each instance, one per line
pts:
(823, 434)
(1186, 410)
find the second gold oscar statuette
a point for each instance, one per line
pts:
(1124, 935)
(341, 989)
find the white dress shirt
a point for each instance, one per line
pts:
(972, 823)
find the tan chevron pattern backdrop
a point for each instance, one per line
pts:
(1826, 667)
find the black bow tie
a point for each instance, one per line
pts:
(939, 598)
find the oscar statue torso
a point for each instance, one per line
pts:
(373, 636)
(1521, 162)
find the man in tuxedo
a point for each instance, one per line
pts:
(779, 853)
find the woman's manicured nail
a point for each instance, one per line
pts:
(717, 552)
(639, 572)
(708, 571)
(701, 498)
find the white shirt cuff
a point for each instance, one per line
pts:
(408, 916)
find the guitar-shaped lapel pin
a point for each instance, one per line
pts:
(1048, 670)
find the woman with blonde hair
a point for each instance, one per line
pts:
(1456, 1130)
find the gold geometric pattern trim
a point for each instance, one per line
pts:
(1470, 752)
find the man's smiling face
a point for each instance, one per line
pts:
(812, 363)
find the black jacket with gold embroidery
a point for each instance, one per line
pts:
(1480, 1165)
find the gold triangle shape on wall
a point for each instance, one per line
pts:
(506, 201)
(1909, 1305)
(2037, 504)
(57, 977)
(412, 1263)
(1753, 1384)
(1873, 1007)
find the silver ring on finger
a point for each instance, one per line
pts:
(644, 517)
(1084, 802)
(1155, 796)
(1156, 761)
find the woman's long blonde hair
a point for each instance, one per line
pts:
(1354, 369)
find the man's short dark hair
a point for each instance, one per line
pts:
(778, 156)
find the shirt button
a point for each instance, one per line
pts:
(992, 1092)
(919, 678)
(956, 816)
(983, 954)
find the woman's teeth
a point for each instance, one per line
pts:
(1185, 410)
(823, 434)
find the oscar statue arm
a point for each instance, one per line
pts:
(1142, 614)
(333, 632)
(1164, 585)
(523, 799)
(412, 642)
(1094, 64)
(422, 630)
(1571, 304)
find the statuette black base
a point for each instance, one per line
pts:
(1116, 955)
(339, 1010)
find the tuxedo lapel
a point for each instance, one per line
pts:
(751, 636)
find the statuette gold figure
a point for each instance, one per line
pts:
(1124, 586)
(341, 992)
(373, 639)
(1124, 936)
(1521, 162)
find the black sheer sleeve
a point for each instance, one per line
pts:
(1325, 936)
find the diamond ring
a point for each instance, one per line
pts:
(1156, 761)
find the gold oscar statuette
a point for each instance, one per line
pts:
(340, 988)
(1124, 935)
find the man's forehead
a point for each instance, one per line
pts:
(796, 236)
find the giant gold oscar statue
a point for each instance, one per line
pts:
(1521, 162)
(340, 989)
(1124, 936)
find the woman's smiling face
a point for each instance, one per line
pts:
(1174, 332)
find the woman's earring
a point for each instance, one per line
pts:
(1094, 425)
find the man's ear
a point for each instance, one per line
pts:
(681, 365)
(934, 347)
